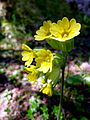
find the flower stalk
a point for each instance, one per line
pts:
(59, 116)
(61, 97)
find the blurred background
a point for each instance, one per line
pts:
(19, 20)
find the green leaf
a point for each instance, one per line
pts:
(74, 79)
(7, 110)
(44, 108)
(30, 114)
(74, 118)
(80, 97)
(45, 114)
(84, 118)
(55, 110)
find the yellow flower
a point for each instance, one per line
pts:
(44, 60)
(28, 55)
(65, 29)
(47, 89)
(33, 74)
(44, 31)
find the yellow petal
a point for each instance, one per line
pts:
(24, 53)
(44, 60)
(32, 77)
(47, 90)
(44, 67)
(25, 47)
(60, 24)
(25, 57)
(39, 37)
(27, 63)
(76, 27)
(44, 31)
(65, 23)
(47, 24)
(54, 30)
(31, 68)
(72, 22)
(71, 34)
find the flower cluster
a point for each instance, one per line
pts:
(42, 60)
(42, 65)
(61, 31)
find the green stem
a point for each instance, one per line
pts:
(61, 97)
(62, 87)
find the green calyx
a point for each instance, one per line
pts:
(66, 46)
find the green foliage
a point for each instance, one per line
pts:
(49, 8)
(55, 110)
(45, 113)
(13, 78)
(74, 118)
(35, 107)
(80, 97)
(7, 110)
(30, 13)
(86, 21)
(78, 107)
(74, 79)
(30, 114)
(76, 96)
(1, 37)
(83, 118)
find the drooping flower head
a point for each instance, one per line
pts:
(44, 60)
(44, 31)
(28, 55)
(32, 73)
(47, 89)
(64, 29)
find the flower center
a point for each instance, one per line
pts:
(64, 35)
(48, 33)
